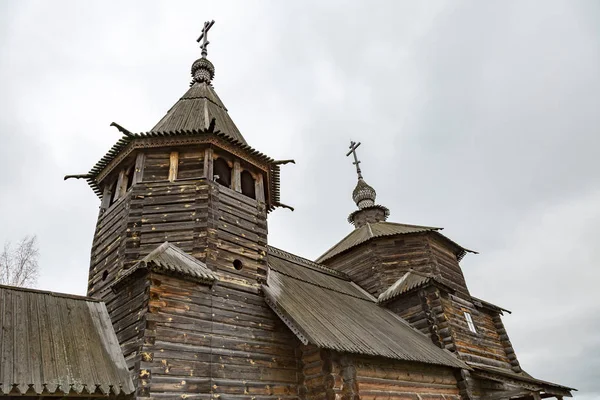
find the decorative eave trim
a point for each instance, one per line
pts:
(151, 266)
(132, 141)
(529, 384)
(301, 335)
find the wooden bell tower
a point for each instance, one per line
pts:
(179, 252)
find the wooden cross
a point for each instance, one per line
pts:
(353, 147)
(204, 35)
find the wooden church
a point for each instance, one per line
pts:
(187, 300)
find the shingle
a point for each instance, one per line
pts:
(58, 342)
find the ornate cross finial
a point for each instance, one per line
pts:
(353, 147)
(204, 35)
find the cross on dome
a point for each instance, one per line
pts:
(204, 37)
(353, 147)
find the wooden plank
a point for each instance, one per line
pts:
(106, 195)
(173, 165)
(121, 185)
(236, 178)
(208, 164)
(259, 188)
(138, 173)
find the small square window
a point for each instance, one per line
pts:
(470, 322)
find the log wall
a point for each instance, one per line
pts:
(183, 339)
(485, 346)
(381, 378)
(331, 375)
(377, 264)
(447, 265)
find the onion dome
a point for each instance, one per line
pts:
(203, 71)
(363, 194)
(368, 212)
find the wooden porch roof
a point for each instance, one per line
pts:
(58, 344)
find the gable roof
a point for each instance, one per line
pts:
(54, 342)
(375, 230)
(332, 312)
(195, 110)
(171, 260)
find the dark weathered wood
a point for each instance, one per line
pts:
(259, 188)
(138, 173)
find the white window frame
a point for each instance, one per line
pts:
(470, 322)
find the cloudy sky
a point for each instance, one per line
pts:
(481, 117)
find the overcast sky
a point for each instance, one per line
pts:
(480, 117)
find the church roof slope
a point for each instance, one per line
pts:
(370, 231)
(170, 259)
(196, 110)
(375, 230)
(333, 312)
(511, 377)
(408, 281)
(56, 343)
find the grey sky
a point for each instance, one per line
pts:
(481, 117)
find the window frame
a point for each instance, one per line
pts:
(470, 323)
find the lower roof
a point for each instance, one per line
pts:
(332, 312)
(54, 343)
(510, 376)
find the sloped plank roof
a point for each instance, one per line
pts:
(53, 342)
(500, 373)
(375, 230)
(195, 110)
(406, 282)
(170, 259)
(334, 313)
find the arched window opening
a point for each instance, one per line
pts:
(221, 168)
(248, 188)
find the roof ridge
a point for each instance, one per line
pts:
(370, 300)
(413, 225)
(311, 264)
(51, 293)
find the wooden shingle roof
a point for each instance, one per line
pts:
(194, 112)
(332, 312)
(56, 343)
(405, 283)
(171, 260)
(375, 230)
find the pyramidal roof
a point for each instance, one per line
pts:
(199, 107)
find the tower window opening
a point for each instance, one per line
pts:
(113, 192)
(248, 188)
(130, 172)
(223, 171)
(470, 322)
(104, 275)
